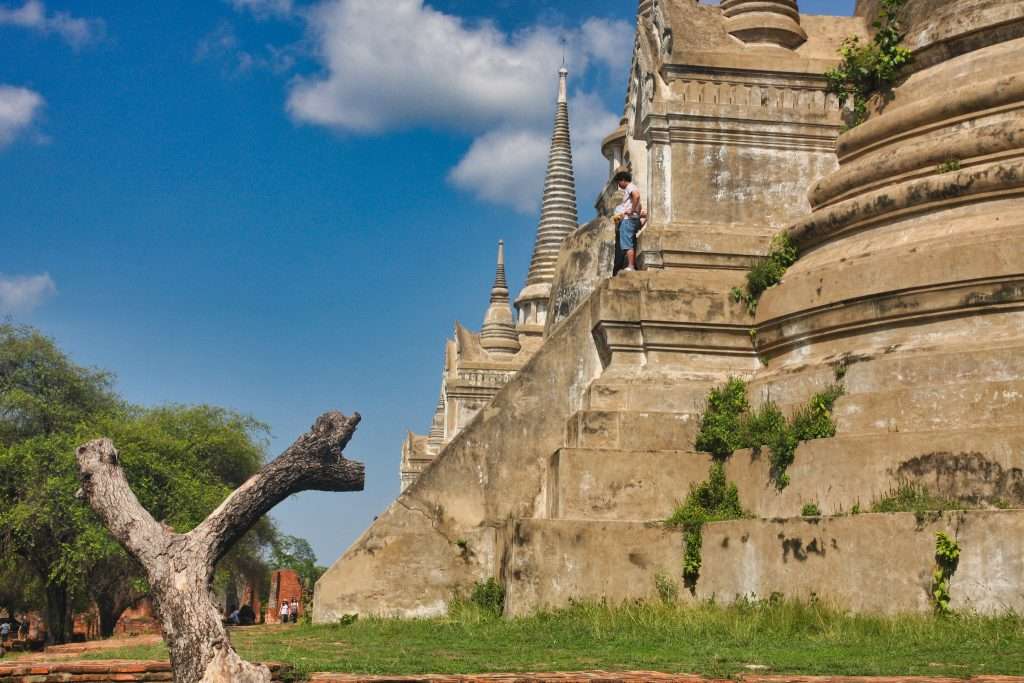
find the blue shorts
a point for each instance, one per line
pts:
(627, 233)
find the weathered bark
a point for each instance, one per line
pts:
(180, 566)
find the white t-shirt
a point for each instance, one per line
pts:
(626, 207)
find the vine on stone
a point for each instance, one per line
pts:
(869, 68)
(947, 558)
(713, 500)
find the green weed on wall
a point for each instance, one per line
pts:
(870, 67)
(729, 424)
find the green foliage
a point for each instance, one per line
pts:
(720, 425)
(181, 462)
(668, 591)
(728, 424)
(41, 391)
(720, 641)
(767, 272)
(947, 559)
(948, 166)
(296, 553)
(712, 500)
(872, 67)
(489, 596)
(810, 510)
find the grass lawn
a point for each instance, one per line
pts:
(786, 637)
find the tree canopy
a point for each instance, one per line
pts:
(181, 461)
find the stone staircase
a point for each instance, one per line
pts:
(952, 419)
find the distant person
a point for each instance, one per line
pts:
(23, 629)
(284, 612)
(627, 215)
(5, 631)
(295, 611)
(233, 617)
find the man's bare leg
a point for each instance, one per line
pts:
(631, 258)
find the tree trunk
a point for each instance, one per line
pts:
(59, 625)
(180, 566)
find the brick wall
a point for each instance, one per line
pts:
(95, 672)
(285, 584)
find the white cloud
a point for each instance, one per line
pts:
(21, 293)
(421, 67)
(76, 31)
(610, 42)
(507, 166)
(18, 108)
(264, 9)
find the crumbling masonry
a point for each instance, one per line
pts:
(910, 282)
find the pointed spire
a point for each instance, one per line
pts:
(436, 438)
(498, 335)
(558, 218)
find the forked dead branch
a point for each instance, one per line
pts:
(180, 566)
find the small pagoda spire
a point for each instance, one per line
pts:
(558, 219)
(436, 438)
(498, 335)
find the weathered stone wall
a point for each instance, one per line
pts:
(867, 562)
(445, 531)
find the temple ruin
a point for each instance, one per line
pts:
(909, 289)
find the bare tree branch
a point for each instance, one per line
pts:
(313, 463)
(180, 566)
(103, 481)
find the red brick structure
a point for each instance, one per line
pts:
(285, 584)
(96, 672)
(251, 597)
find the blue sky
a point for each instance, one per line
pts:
(282, 207)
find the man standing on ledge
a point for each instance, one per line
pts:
(627, 215)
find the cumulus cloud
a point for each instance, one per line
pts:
(76, 31)
(422, 67)
(18, 108)
(22, 293)
(507, 166)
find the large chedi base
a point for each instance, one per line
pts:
(909, 291)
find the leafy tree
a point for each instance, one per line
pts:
(181, 461)
(296, 553)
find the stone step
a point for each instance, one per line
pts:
(650, 394)
(866, 374)
(919, 408)
(620, 485)
(553, 562)
(702, 247)
(635, 430)
(674, 317)
(980, 467)
(866, 563)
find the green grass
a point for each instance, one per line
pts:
(787, 637)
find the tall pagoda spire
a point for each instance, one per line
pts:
(558, 218)
(498, 335)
